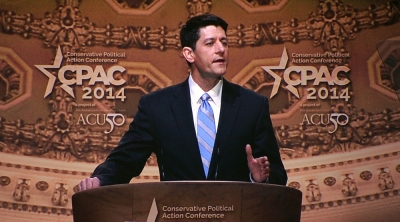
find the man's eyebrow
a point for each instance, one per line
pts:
(210, 38)
(214, 38)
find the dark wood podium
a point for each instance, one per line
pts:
(188, 201)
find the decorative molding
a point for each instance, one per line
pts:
(33, 208)
(16, 76)
(198, 7)
(254, 6)
(328, 165)
(383, 68)
(330, 181)
(312, 192)
(366, 175)
(351, 201)
(330, 26)
(130, 7)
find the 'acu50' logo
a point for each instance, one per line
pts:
(84, 72)
(308, 73)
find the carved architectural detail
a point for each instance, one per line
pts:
(36, 208)
(22, 190)
(198, 7)
(313, 193)
(330, 26)
(330, 181)
(366, 175)
(73, 3)
(144, 77)
(294, 184)
(385, 179)
(60, 195)
(58, 137)
(42, 185)
(349, 186)
(15, 77)
(383, 68)
(260, 3)
(4, 181)
(136, 7)
(136, 4)
(12, 81)
(252, 6)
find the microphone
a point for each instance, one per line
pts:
(216, 168)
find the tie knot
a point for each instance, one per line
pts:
(205, 97)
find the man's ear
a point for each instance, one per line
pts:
(187, 52)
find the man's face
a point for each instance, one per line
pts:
(211, 54)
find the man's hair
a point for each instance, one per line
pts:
(190, 32)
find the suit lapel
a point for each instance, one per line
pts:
(182, 111)
(229, 108)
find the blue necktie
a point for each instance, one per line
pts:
(205, 131)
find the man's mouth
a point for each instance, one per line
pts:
(219, 61)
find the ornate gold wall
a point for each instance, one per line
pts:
(329, 67)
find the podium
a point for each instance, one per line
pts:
(188, 201)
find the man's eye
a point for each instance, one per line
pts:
(209, 43)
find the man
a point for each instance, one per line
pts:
(237, 129)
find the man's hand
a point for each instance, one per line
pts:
(89, 183)
(259, 167)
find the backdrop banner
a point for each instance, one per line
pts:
(72, 73)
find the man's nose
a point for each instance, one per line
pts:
(220, 47)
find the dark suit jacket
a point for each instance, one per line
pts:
(164, 125)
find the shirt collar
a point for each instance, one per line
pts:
(196, 92)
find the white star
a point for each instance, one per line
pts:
(52, 79)
(153, 212)
(278, 79)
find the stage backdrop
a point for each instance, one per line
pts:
(72, 72)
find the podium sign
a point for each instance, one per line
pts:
(188, 201)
